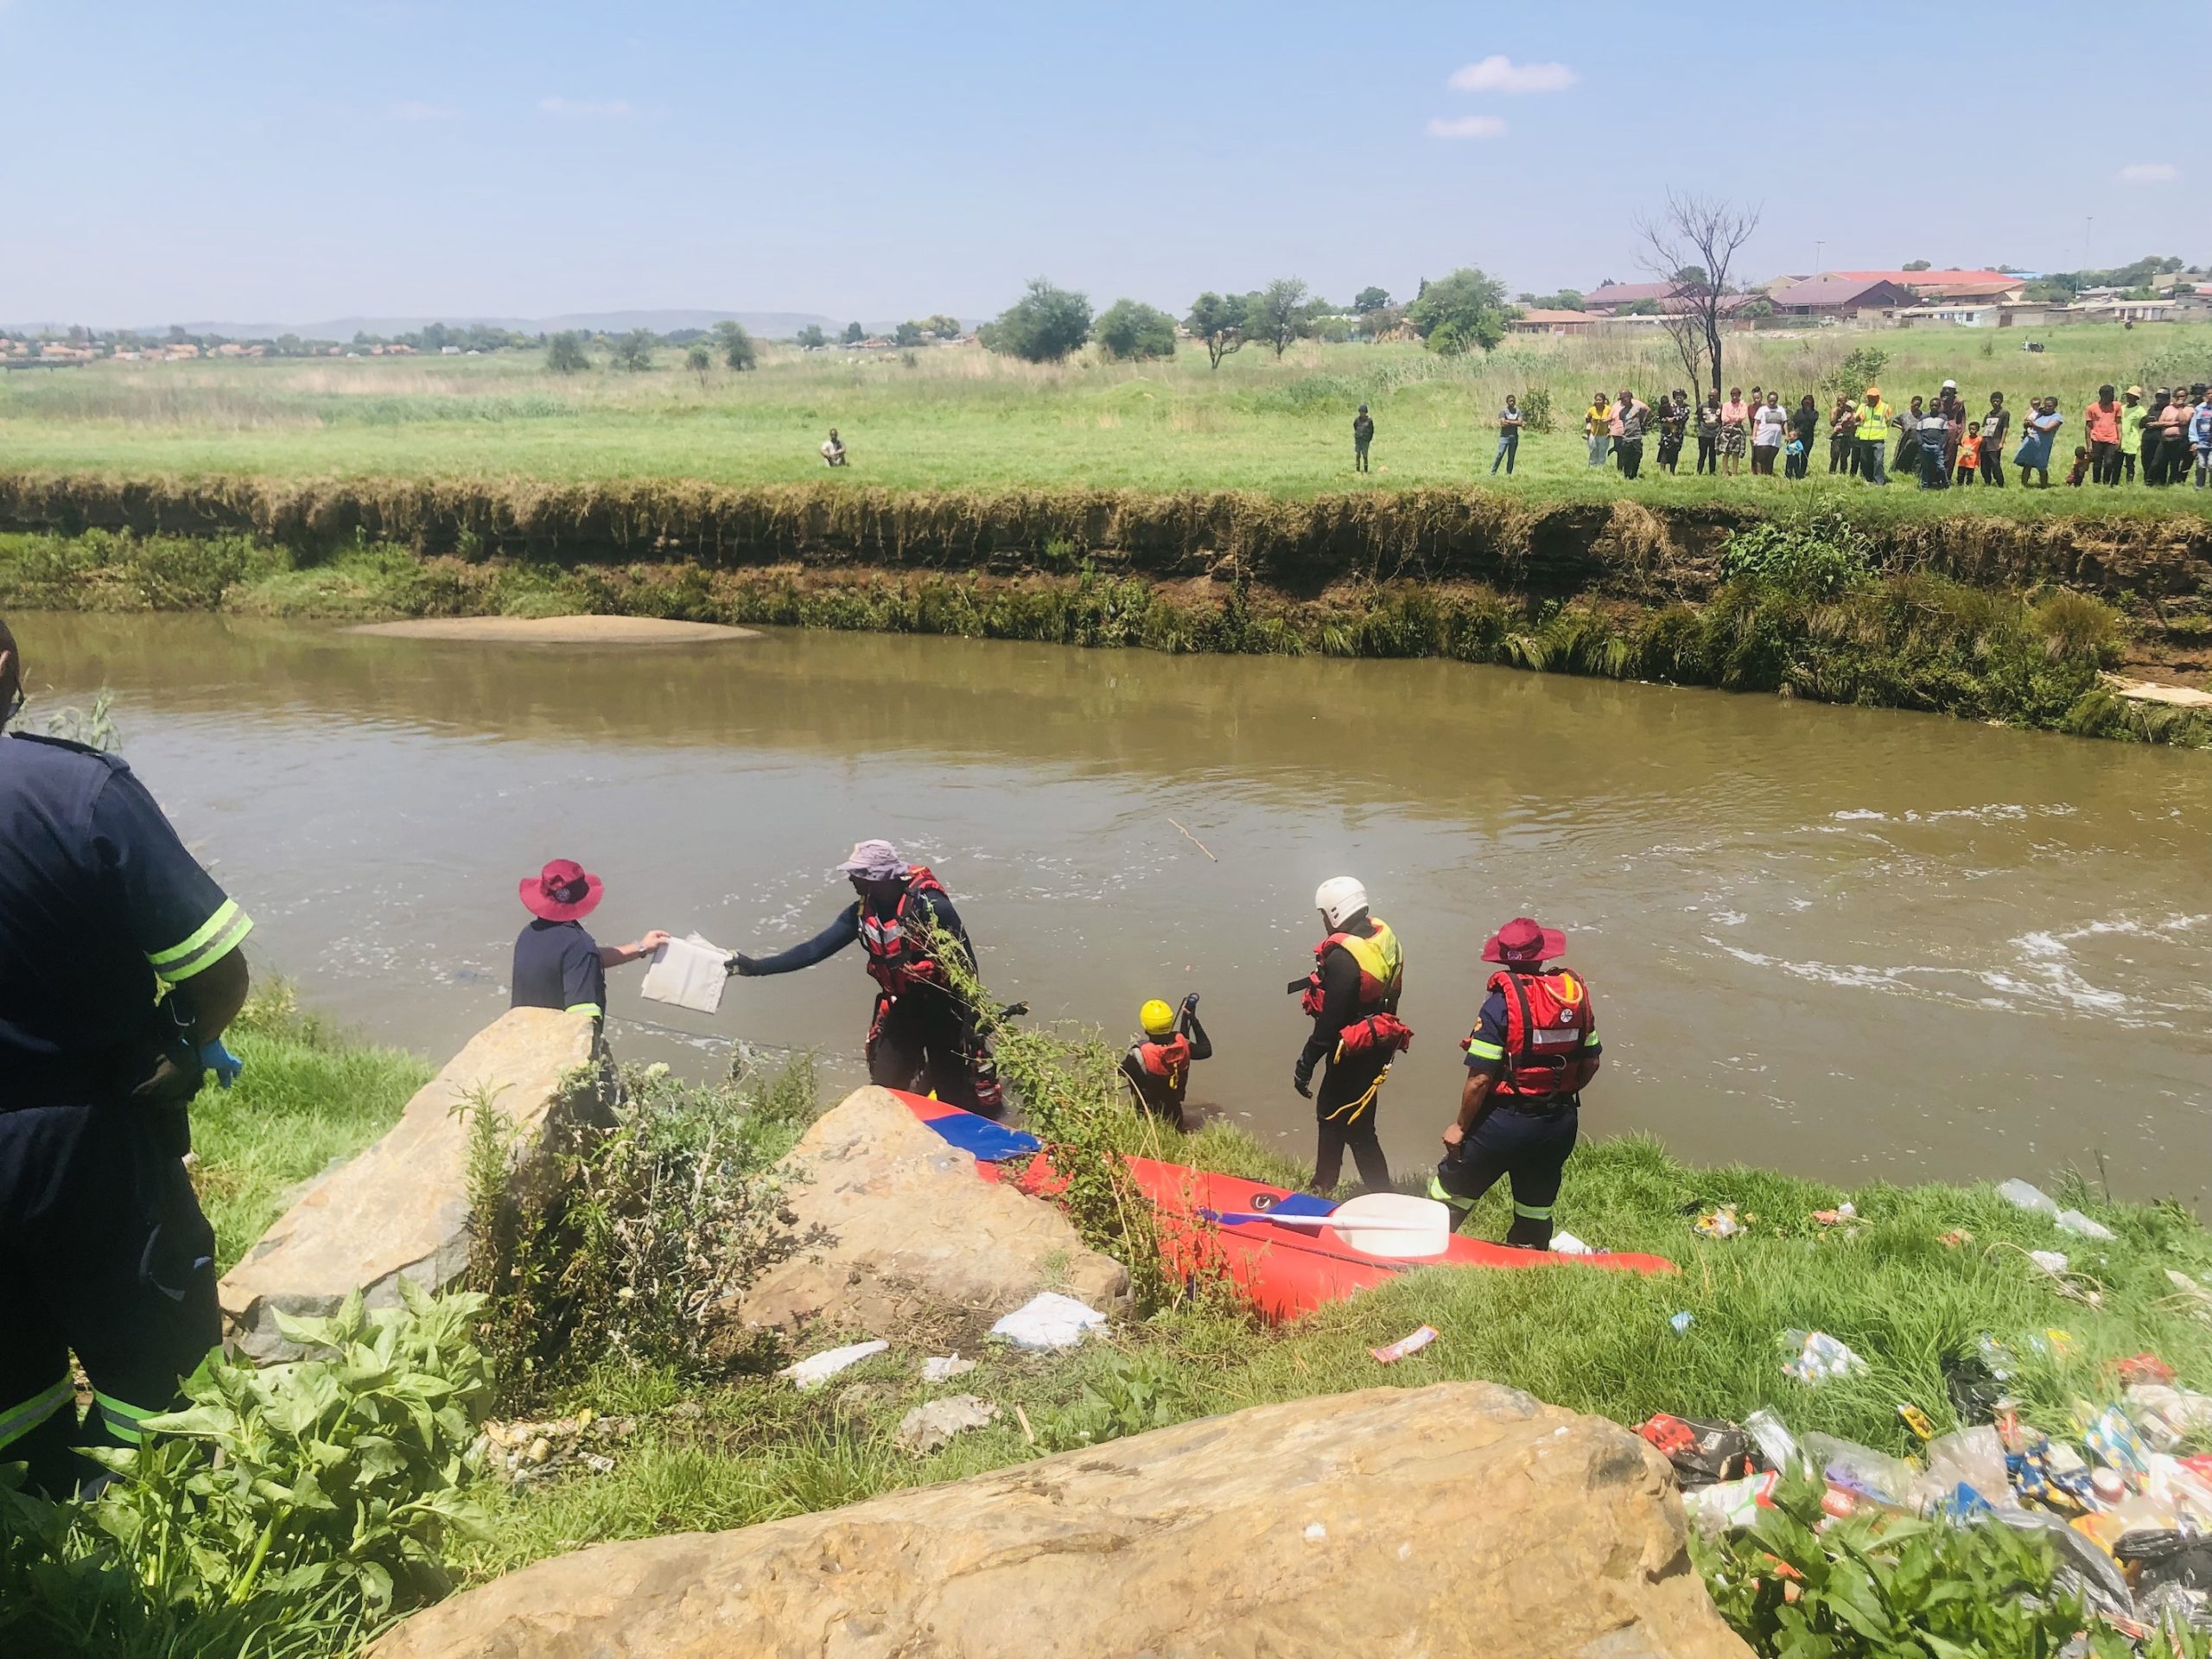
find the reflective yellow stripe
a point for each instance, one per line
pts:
(591, 1008)
(18, 1421)
(218, 937)
(1438, 1191)
(1533, 1212)
(122, 1417)
(1479, 1050)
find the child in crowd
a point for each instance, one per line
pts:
(2081, 467)
(1969, 455)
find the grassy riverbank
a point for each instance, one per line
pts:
(961, 419)
(1800, 608)
(1921, 1274)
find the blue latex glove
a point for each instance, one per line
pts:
(224, 1065)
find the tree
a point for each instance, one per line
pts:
(1218, 324)
(1918, 264)
(811, 339)
(564, 353)
(1463, 312)
(1042, 325)
(736, 345)
(1278, 313)
(634, 351)
(1567, 299)
(1370, 299)
(907, 334)
(700, 361)
(943, 326)
(854, 333)
(1134, 330)
(1708, 234)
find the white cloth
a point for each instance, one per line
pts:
(1049, 1320)
(688, 973)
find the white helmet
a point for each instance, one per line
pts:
(1338, 897)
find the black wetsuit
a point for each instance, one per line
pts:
(1163, 1097)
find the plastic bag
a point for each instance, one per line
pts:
(1862, 1469)
(1778, 1447)
(1731, 1504)
(2074, 1221)
(1701, 1452)
(2022, 1196)
(1049, 1320)
(1970, 1457)
(818, 1369)
(1817, 1357)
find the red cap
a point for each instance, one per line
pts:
(1521, 940)
(560, 892)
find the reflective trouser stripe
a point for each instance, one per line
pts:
(591, 1008)
(1534, 1211)
(19, 1420)
(122, 1417)
(1438, 1191)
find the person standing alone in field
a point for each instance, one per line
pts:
(1363, 434)
(833, 449)
(1509, 422)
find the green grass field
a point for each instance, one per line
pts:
(956, 417)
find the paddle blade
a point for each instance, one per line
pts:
(1393, 1224)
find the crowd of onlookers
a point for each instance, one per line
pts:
(1936, 439)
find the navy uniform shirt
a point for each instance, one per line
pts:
(98, 897)
(557, 966)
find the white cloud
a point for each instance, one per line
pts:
(612, 109)
(1466, 126)
(2149, 173)
(413, 111)
(1499, 74)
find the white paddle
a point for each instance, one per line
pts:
(1374, 1224)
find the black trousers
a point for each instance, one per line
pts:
(1707, 459)
(1344, 1105)
(2104, 462)
(924, 1042)
(104, 1254)
(1992, 464)
(1359, 457)
(1528, 1150)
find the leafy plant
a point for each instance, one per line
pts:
(1814, 557)
(1861, 368)
(1128, 1395)
(1796, 1586)
(1042, 325)
(314, 1496)
(1536, 411)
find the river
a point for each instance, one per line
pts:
(1851, 944)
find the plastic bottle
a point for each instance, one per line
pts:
(2021, 1195)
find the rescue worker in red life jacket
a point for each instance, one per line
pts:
(1157, 1064)
(923, 1035)
(1353, 995)
(1533, 1050)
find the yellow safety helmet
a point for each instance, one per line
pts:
(1157, 1018)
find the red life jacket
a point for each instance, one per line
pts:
(1381, 967)
(898, 956)
(1376, 1031)
(1170, 1060)
(1549, 1019)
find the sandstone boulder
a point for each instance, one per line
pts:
(400, 1208)
(909, 1231)
(1460, 1519)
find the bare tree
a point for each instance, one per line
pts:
(1703, 232)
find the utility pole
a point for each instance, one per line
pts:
(2086, 222)
(1817, 246)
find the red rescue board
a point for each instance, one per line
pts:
(1287, 1271)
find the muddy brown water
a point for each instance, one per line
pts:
(1853, 943)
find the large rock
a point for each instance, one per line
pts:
(910, 1232)
(400, 1208)
(1459, 1519)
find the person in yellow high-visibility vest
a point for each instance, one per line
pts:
(1872, 437)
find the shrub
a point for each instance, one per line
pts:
(564, 353)
(736, 346)
(1814, 557)
(1134, 330)
(1465, 311)
(1536, 411)
(1861, 369)
(1042, 325)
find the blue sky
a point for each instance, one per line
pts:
(291, 163)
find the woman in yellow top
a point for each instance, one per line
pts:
(1598, 424)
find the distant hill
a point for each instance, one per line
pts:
(771, 325)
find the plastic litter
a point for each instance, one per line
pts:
(2143, 1368)
(2167, 1416)
(2050, 1261)
(1731, 1504)
(1681, 1321)
(818, 1369)
(1719, 1223)
(1568, 1244)
(1970, 1457)
(1841, 1213)
(2022, 1196)
(687, 973)
(1917, 1420)
(940, 1370)
(1862, 1470)
(2114, 1443)
(1049, 1320)
(1778, 1447)
(1817, 1357)
(1391, 1352)
(2074, 1221)
(931, 1427)
(1702, 1453)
